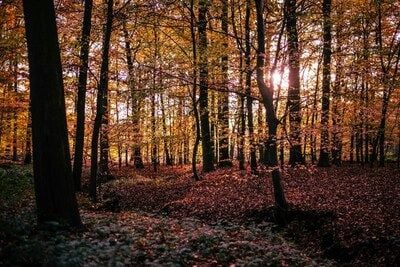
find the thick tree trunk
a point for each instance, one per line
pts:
(80, 106)
(104, 169)
(101, 95)
(294, 104)
(326, 84)
(55, 198)
(137, 154)
(223, 108)
(208, 156)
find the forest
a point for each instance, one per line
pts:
(199, 133)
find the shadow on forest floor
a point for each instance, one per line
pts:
(348, 214)
(317, 231)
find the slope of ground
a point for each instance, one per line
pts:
(350, 214)
(132, 238)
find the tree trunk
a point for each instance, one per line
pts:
(101, 95)
(208, 157)
(137, 154)
(337, 97)
(242, 127)
(398, 147)
(104, 169)
(55, 198)
(154, 150)
(223, 107)
(213, 105)
(28, 140)
(381, 130)
(393, 57)
(14, 137)
(119, 141)
(313, 137)
(168, 159)
(267, 96)
(326, 84)
(15, 114)
(352, 148)
(358, 146)
(249, 99)
(294, 104)
(194, 92)
(80, 106)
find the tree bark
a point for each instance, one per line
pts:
(326, 83)
(337, 120)
(242, 127)
(208, 157)
(294, 104)
(223, 108)
(55, 198)
(15, 114)
(101, 95)
(194, 92)
(249, 99)
(168, 159)
(137, 154)
(80, 106)
(28, 140)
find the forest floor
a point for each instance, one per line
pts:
(347, 216)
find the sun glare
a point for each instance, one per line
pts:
(280, 79)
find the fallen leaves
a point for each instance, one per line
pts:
(349, 214)
(365, 202)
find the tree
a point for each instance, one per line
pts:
(249, 99)
(267, 96)
(80, 106)
(193, 94)
(223, 108)
(55, 198)
(389, 60)
(101, 102)
(137, 154)
(208, 156)
(294, 104)
(326, 83)
(28, 141)
(338, 112)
